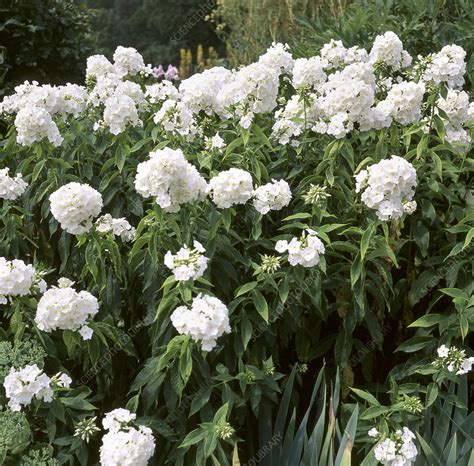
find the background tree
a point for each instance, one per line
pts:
(43, 40)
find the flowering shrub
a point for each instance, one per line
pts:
(228, 230)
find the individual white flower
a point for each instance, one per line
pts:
(61, 380)
(125, 445)
(128, 61)
(187, 263)
(66, 309)
(388, 49)
(117, 226)
(272, 196)
(206, 320)
(387, 187)
(216, 142)
(170, 179)
(33, 124)
(11, 188)
(16, 279)
(305, 250)
(231, 187)
(74, 206)
(466, 366)
(86, 332)
(24, 384)
(443, 351)
(373, 432)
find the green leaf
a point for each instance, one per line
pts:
(244, 289)
(429, 320)
(260, 304)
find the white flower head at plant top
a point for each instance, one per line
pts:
(74, 206)
(206, 320)
(305, 250)
(388, 187)
(64, 308)
(187, 263)
(170, 179)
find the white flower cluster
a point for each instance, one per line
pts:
(397, 451)
(308, 73)
(11, 188)
(117, 226)
(388, 49)
(187, 263)
(388, 187)
(125, 444)
(206, 320)
(334, 55)
(456, 107)
(343, 88)
(170, 179)
(16, 279)
(272, 196)
(33, 124)
(29, 382)
(454, 360)
(64, 308)
(74, 206)
(36, 106)
(305, 250)
(231, 187)
(448, 65)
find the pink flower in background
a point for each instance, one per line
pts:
(171, 74)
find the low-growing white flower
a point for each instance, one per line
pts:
(400, 450)
(66, 309)
(305, 250)
(117, 226)
(187, 263)
(74, 206)
(206, 320)
(24, 384)
(11, 188)
(272, 196)
(125, 444)
(231, 187)
(16, 279)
